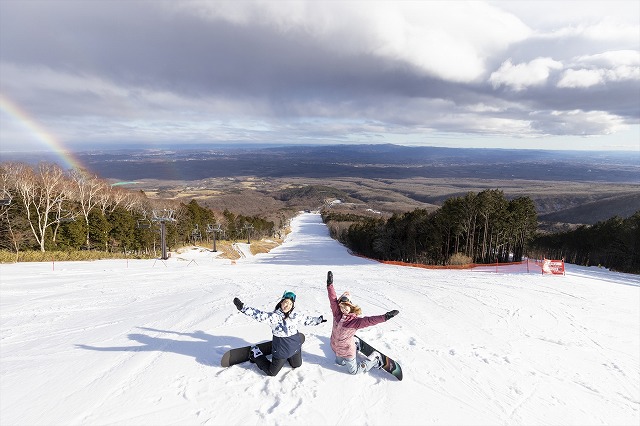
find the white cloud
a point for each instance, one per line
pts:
(445, 39)
(520, 76)
(580, 78)
(602, 31)
(612, 58)
(624, 73)
(591, 70)
(609, 30)
(487, 125)
(599, 20)
(579, 122)
(482, 107)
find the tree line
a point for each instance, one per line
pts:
(486, 228)
(613, 243)
(46, 208)
(482, 227)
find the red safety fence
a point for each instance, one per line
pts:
(527, 266)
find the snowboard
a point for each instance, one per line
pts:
(240, 355)
(388, 364)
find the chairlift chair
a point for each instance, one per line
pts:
(164, 215)
(143, 224)
(6, 198)
(196, 235)
(211, 228)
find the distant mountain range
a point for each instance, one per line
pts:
(364, 161)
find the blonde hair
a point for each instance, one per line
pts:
(354, 308)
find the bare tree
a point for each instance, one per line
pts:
(110, 198)
(87, 190)
(43, 193)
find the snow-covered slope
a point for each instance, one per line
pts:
(139, 342)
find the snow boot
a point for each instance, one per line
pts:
(255, 353)
(375, 360)
(376, 356)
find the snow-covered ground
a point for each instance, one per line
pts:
(140, 342)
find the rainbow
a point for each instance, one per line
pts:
(21, 117)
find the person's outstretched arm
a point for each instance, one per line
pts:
(331, 292)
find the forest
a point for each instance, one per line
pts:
(46, 208)
(480, 227)
(485, 227)
(613, 243)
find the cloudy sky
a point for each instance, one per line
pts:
(513, 74)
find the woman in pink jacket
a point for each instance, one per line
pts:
(345, 323)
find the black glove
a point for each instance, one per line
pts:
(390, 315)
(321, 318)
(329, 278)
(238, 303)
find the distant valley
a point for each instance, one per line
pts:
(568, 187)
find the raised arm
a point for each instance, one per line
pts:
(254, 313)
(331, 292)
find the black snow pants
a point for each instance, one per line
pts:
(273, 367)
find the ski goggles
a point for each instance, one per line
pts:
(289, 295)
(344, 299)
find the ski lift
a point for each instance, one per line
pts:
(211, 228)
(6, 198)
(164, 215)
(64, 215)
(143, 224)
(195, 234)
(248, 227)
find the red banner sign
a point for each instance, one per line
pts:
(555, 267)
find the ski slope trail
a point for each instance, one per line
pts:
(140, 341)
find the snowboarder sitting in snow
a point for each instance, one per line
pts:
(286, 342)
(346, 321)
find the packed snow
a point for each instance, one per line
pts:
(139, 342)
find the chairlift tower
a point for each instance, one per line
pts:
(211, 229)
(163, 216)
(248, 228)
